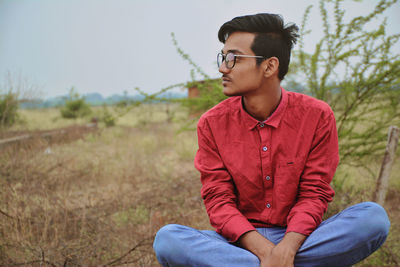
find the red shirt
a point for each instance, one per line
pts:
(265, 174)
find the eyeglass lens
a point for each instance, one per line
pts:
(229, 60)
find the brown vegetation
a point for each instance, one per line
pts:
(98, 200)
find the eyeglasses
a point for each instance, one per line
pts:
(230, 59)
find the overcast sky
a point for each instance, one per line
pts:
(109, 46)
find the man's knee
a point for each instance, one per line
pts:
(165, 240)
(373, 219)
(382, 223)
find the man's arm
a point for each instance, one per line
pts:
(315, 191)
(257, 244)
(218, 190)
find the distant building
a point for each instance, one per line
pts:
(194, 92)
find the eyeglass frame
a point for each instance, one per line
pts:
(234, 59)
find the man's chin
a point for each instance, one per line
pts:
(228, 92)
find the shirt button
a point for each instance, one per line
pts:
(262, 125)
(268, 205)
(268, 178)
(264, 148)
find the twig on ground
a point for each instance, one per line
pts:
(139, 244)
(6, 214)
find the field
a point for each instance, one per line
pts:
(97, 199)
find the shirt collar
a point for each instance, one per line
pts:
(273, 120)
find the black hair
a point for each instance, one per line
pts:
(273, 37)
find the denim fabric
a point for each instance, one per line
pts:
(342, 240)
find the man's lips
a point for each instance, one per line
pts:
(225, 80)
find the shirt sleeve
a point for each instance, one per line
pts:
(315, 191)
(218, 189)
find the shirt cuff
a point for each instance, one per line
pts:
(302, 224)
(235, 228)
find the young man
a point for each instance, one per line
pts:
(266, 158)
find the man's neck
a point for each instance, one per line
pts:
(263, 104)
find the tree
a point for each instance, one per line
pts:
(8, 109)
(355, 70)
(75, 106)
(14, 90)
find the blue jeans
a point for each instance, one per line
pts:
(342, 240)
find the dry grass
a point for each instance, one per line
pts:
(99, 200)
(43, 119)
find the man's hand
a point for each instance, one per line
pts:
(282, 255)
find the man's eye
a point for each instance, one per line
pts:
(230, 57)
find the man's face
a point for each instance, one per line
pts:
(245, 77)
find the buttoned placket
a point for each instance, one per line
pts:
(264, 132)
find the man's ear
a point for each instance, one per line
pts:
(271, 67)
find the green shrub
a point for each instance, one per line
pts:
(75, 107)
(8, 109)
(107, 117)
(210, 94)
(355, 68)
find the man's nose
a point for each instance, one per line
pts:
(223, 69)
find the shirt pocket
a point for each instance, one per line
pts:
(287, 179)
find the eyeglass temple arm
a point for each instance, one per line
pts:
(249, 56)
